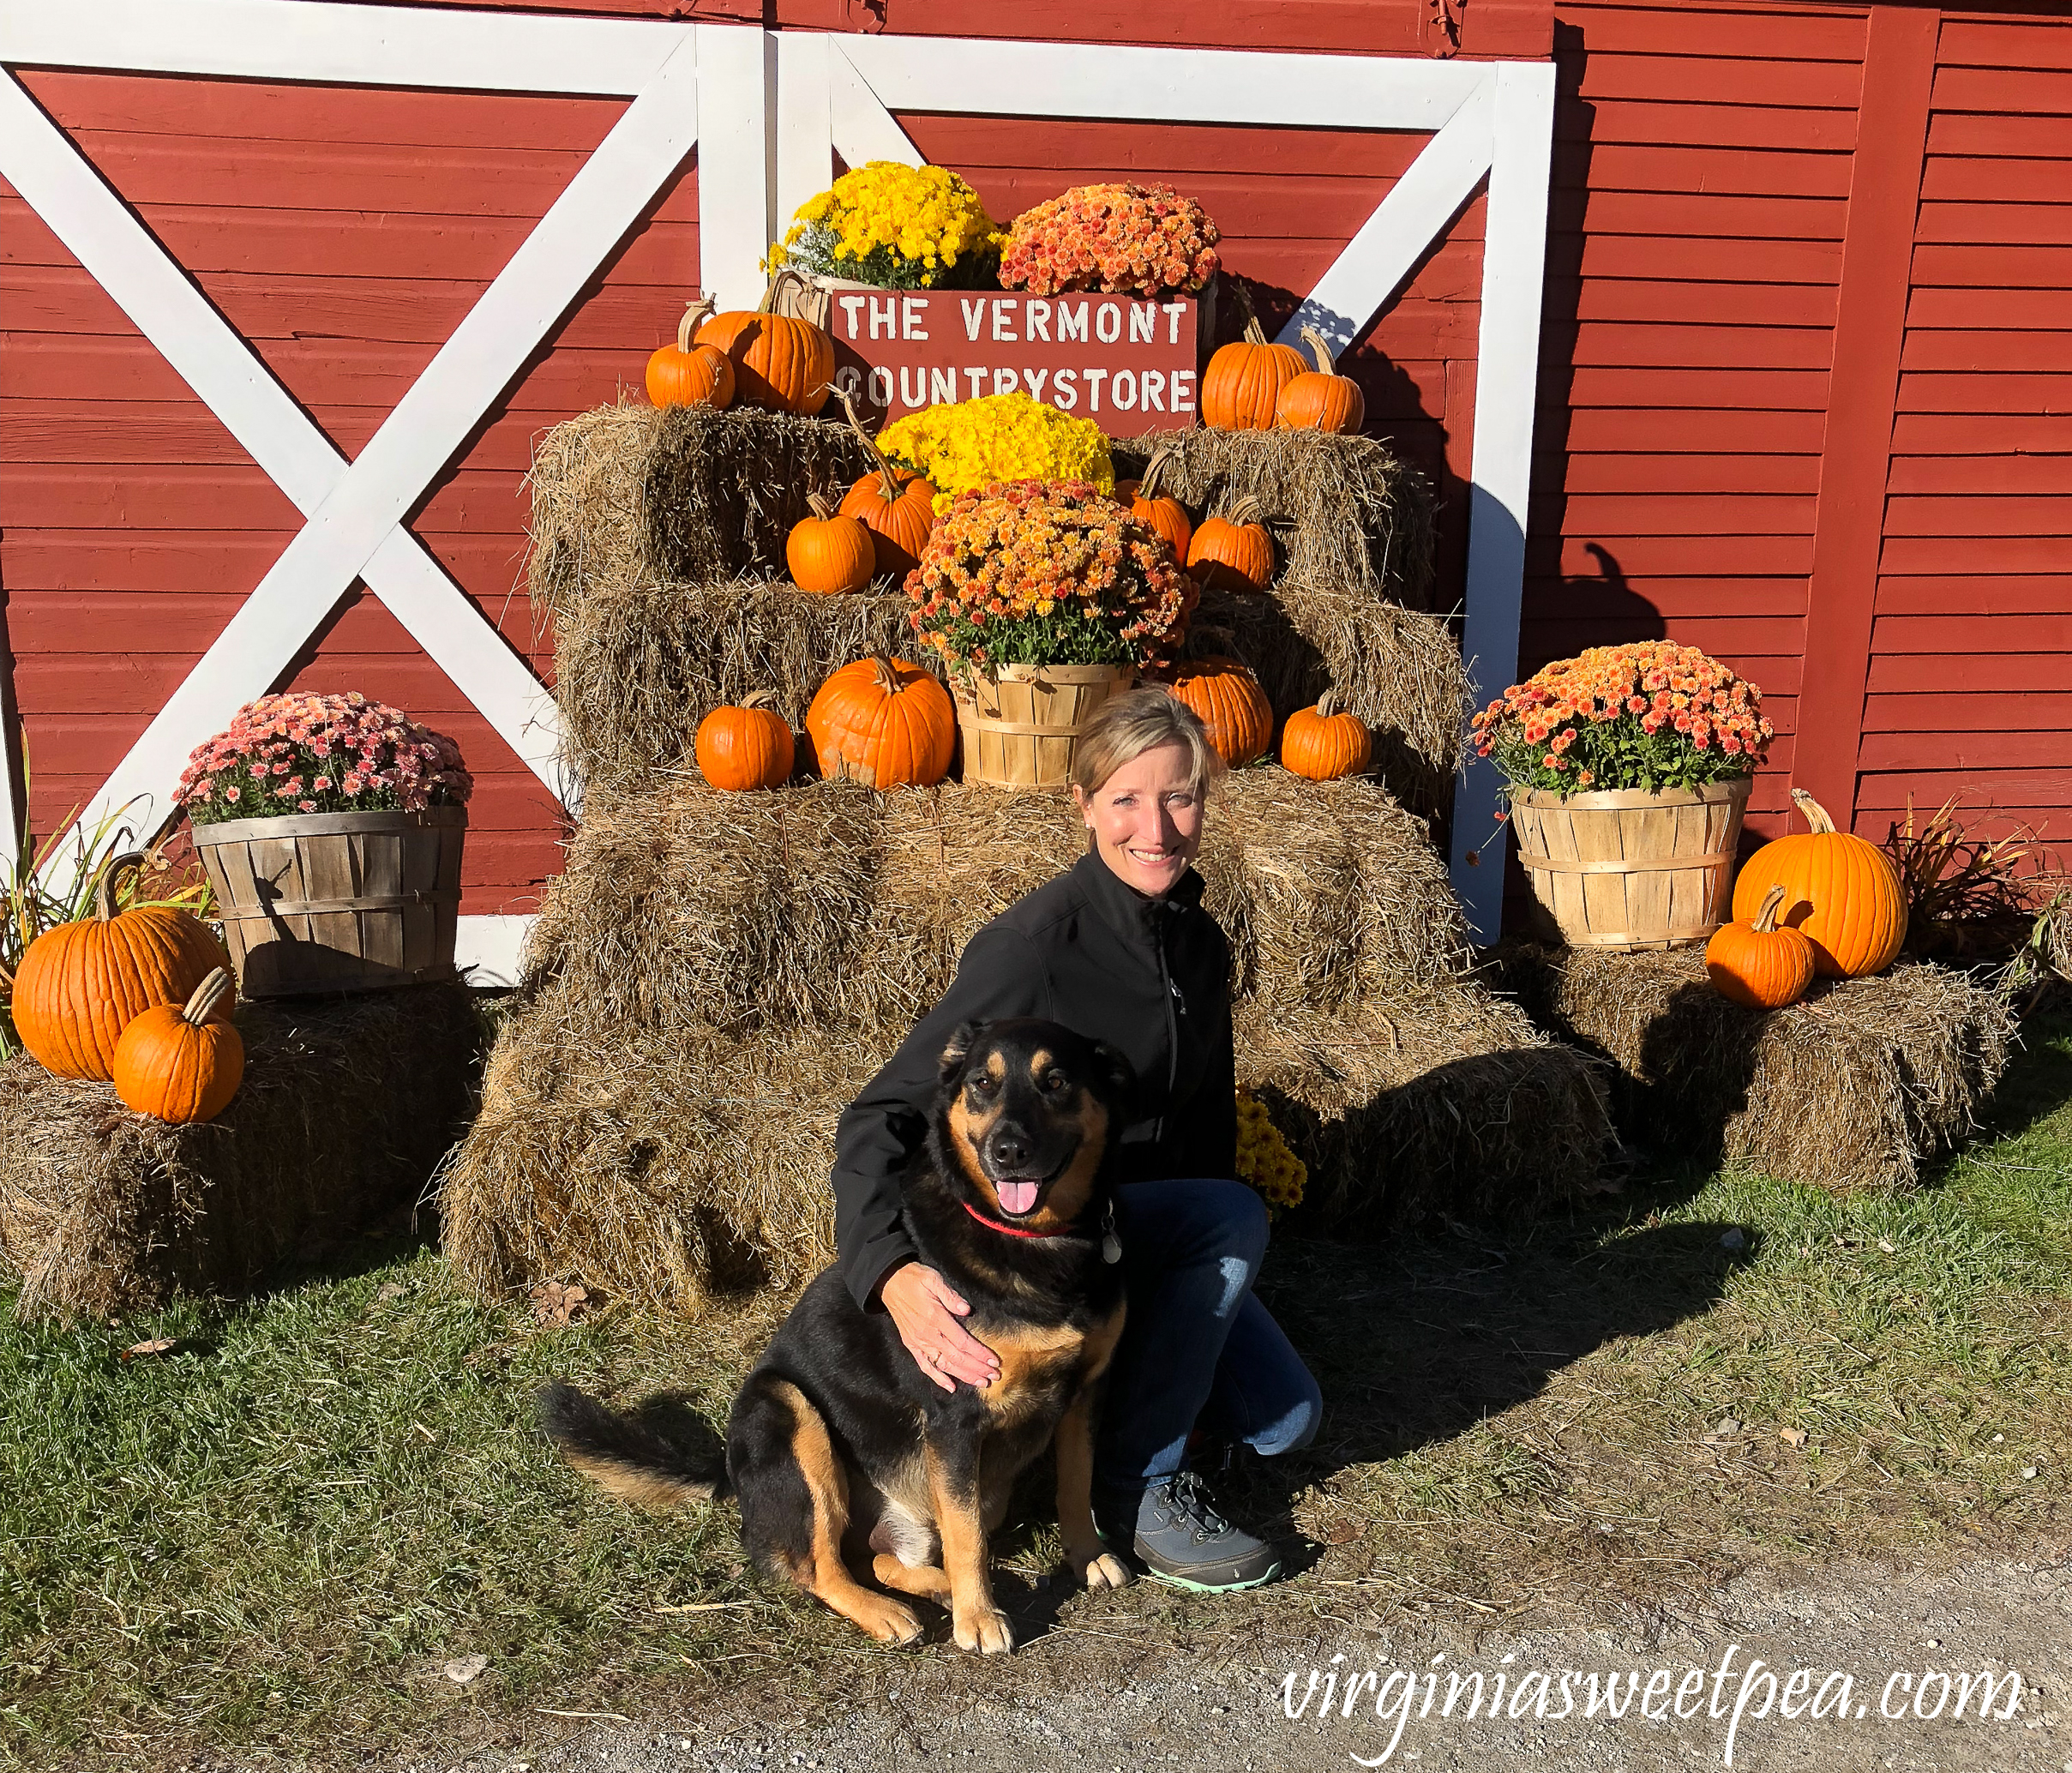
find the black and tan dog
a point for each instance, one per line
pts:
(840, 1447)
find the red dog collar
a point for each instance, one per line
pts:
(1011, 1230)
(1111, 1246)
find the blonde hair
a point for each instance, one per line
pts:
(1126, 726)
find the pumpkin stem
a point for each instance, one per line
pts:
(1327, 704)
(758, 698)
(877, 455)
(1254, 333)
(1320, 350)
(1816, 815)
(694, 316)
(888, 679)
(103, 908)
(1246, 510)
(206, 1004)
(820, 507)
(812, 305)
(1766, 919)
(1147, 487)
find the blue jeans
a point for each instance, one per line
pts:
(1197, 1349)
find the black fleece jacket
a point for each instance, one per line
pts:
(1150, 977)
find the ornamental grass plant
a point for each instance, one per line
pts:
(1032, 572)
(1648, 715)
(897, 227)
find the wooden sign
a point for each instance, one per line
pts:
(1129, 365)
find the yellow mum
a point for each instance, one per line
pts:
(998, 437)
(1264, 1159)
(924, 218)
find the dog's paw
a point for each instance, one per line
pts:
(889, 1621)
(1106, 1571)
(985, 1630)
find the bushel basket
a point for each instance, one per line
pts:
(1632, 868)
(327, 902)
(1021, 723)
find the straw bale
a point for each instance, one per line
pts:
(347, 1107)
(683, 1169)
(657, 553)
(1446, 1103)
(1858, 1087)
(828, 903)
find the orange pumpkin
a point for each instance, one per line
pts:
(1757, 965)
(885, 722)
(1233, 551)
(1321, 400)
(1324, 742)
(688, 375)
(1231, 704)
(182, 1064)
(781, 363)
(828, 552)
(80, 985)
(1149, 506)
(1241, 386)
(895, 505)
(1842, 893)
(745, 746)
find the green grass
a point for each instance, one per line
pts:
(277, 1534)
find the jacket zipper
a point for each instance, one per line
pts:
(1175, 1006)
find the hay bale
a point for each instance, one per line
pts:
(1856, 1087)
(657, 552)
(828, 904)
(683, 1169)
(1446, 1103)
(347, 1107)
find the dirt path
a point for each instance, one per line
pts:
(1076, 1697)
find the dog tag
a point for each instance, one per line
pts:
(1111, 1246)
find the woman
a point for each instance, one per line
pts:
(1119, 948)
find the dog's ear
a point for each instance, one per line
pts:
(959, 1049)
(1117, 1075)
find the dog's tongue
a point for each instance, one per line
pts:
(1017, 1195)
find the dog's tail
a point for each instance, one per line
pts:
(629, 1459)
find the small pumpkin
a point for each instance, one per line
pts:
(1233, 551)
(895, 505)
(1161, 512)
(80, 984)
(688, 375)
(1841, 892)
(746, 745)
(1241, 386)
(1231, 704)
(781, 363)
(1325, 742)
(885, 722)
(1321, 400)
(1757, 965)
(828, 552)
(182, 1063)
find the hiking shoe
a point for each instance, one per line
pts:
(1179, 1538)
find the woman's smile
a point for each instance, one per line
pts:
(1146, 818)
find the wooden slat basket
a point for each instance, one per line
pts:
(1629, 868)
(331, 902)
(1021, 723)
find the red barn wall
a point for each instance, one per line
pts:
(1704, 168)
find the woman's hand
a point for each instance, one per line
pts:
(926, 1312)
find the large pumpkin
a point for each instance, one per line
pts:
(182, 1063)
(1231, 704)
(1241, 386)
(1321, 400)
(885, 722)
(781, 363)
(1234, 551)
(1759, 965)
(745, 746)
(1842, 893)
(1325, 742)
(895, 505)
(81, 984)
(1161, 511)
(688, 375)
